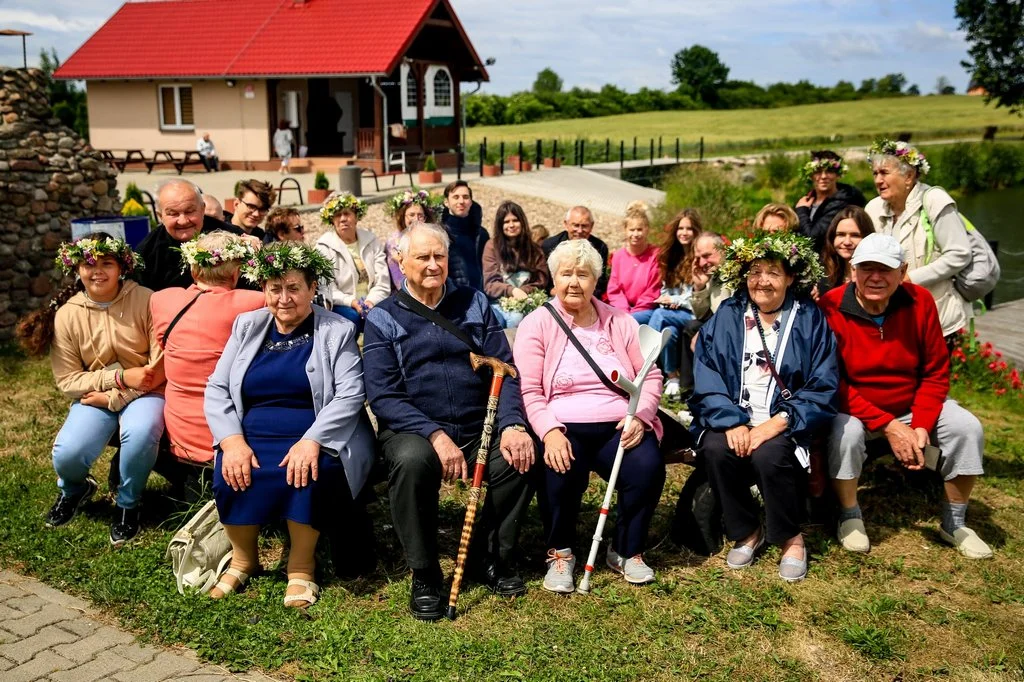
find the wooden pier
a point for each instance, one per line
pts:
(1004, 327)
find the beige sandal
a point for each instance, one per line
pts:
(225, 588)
(310, 595)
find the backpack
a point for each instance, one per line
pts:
(981, 275)
(200, 551)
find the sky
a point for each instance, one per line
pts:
(630, 43)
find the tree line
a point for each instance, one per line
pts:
(701, 80)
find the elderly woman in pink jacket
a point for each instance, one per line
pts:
(580, 417)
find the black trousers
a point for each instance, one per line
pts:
(686, 335)
(414, 481)
(778, 475)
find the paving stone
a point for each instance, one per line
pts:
(25, 649)
(13, 578)
(100, 668)
(57, 597)
(6, 663)
(42, 665)
(103, 638)
(30, 603)
(166, 665)
(136, 652)
(203, 676)
(48, 615)
(81, 626)
(255, 676)
(7, 613)
(8, 591)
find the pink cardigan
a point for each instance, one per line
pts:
(538, 348)
(635, 282)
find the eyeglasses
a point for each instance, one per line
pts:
(298, 228)
(253, 207)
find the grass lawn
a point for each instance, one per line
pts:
(929, 117)
(911, 610)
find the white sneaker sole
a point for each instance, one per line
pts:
(559, 589)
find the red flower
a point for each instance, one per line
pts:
(1000, 391)
(998, 354)
(956, 376)
(992, 366)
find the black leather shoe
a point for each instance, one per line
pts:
(501, 579)
(425, 602)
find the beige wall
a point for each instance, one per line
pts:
(125, 115)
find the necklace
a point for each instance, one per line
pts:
(757, 309)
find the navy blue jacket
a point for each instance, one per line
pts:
(418, 377)
(466, 253)
(809, 369)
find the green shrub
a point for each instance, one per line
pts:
(131, 207)
(725, 206)
(430, 164)
(780, 171)
(320, 181)
(133, 192)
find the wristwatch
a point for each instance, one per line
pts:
(515, 427)
(784, 414)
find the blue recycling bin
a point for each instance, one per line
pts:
(133, 229)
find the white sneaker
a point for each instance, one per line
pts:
(853, 536)
(633, 569)
(561, 564)
(672, 388)
(967, 543)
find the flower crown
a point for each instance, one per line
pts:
(277, 258)
(431, 204)
(906, 153)
(89, 249)
(192, 254)
(791, 248)
(341, 201)
(818, 164)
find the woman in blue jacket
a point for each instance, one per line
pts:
(765, 377)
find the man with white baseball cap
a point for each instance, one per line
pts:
(895, 371)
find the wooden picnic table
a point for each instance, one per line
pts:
(119, 161)
(160, 157)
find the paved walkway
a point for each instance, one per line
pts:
(573, 186)
(48, 635)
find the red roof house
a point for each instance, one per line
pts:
(351, 77)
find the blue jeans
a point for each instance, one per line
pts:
(506, 319)
(672, 319)
(642, 316)
(86, 432)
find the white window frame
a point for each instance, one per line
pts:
(177, 106)
(434, 84)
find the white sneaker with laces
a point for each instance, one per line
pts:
(633, 569)
(561, 564)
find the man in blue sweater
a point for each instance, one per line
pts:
(462, 218)
(430, 408)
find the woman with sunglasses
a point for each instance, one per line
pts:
(253, 200)
(284, 225)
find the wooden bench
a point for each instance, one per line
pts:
(163, 157)
(119, 161)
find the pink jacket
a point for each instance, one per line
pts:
(635, 282)
(538, 348)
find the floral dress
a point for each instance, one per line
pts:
(757, 386)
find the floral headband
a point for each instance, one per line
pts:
(790, 248)
(341, 201)
(904, 152)
(89, 250)
(192, 254)
(818, 164)
(431, 204)
(277, 258)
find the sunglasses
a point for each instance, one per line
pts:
(253, 207)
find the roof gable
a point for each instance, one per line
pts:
(227, 38)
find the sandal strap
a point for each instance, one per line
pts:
(311, 593)
(226, 588)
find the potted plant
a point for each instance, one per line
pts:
(229, 203)
(519, 164)
(490, 165)
(321, 188)
(429, 175)
(552, 162)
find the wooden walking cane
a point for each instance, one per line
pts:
(499, 370)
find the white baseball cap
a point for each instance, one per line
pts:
(879, 248)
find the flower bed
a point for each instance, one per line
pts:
(982, 368)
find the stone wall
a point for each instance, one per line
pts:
(48, 176)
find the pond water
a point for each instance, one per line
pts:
(999, 216)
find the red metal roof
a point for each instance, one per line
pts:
(229, 38)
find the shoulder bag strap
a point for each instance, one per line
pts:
(786, 395)
(438, 319)
(583, 351)
(167, 332)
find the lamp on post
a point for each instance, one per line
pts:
(490, 61)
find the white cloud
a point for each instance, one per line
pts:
(934, 37)
(49, 22)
